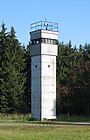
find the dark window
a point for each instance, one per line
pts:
(48, 66)
(44, 40)
(35, 66)
(36, 41)
(48, 41)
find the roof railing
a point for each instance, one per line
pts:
(44, 25)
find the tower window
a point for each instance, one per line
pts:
(48, 66)
(35, 66)
(48, 41)
(37, 41)
(44, 40)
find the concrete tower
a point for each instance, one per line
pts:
(44, 38)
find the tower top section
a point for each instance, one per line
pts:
(44, 25)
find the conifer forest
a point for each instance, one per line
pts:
(73, 76)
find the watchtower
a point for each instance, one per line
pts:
(44, 39)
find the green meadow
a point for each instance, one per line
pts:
(28, 132)
(19, 127)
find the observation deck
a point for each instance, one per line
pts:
(44, 25)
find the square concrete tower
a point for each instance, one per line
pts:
(44, 48)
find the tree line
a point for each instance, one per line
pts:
(73, 76)
(73, 79)
(14, 74)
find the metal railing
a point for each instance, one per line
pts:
(44, 25)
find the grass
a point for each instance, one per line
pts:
(18, 127)
(20, 118)
(28, 118)
(14, 118)
(27, 132)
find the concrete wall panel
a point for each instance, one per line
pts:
(43, 76)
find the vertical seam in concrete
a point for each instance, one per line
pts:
(40, 87)
(40, 84)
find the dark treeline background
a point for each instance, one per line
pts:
(73, 76)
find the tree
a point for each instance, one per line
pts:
(13, 78)
(26, 98)
(3, 45)
(66, 61)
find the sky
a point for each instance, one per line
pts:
(72, 16)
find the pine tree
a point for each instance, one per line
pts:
(73, 80)
(26, 98)
(13, 79)
(3, 74)
(66, 65)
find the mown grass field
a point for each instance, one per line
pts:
(27, 132)
(18, 127)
